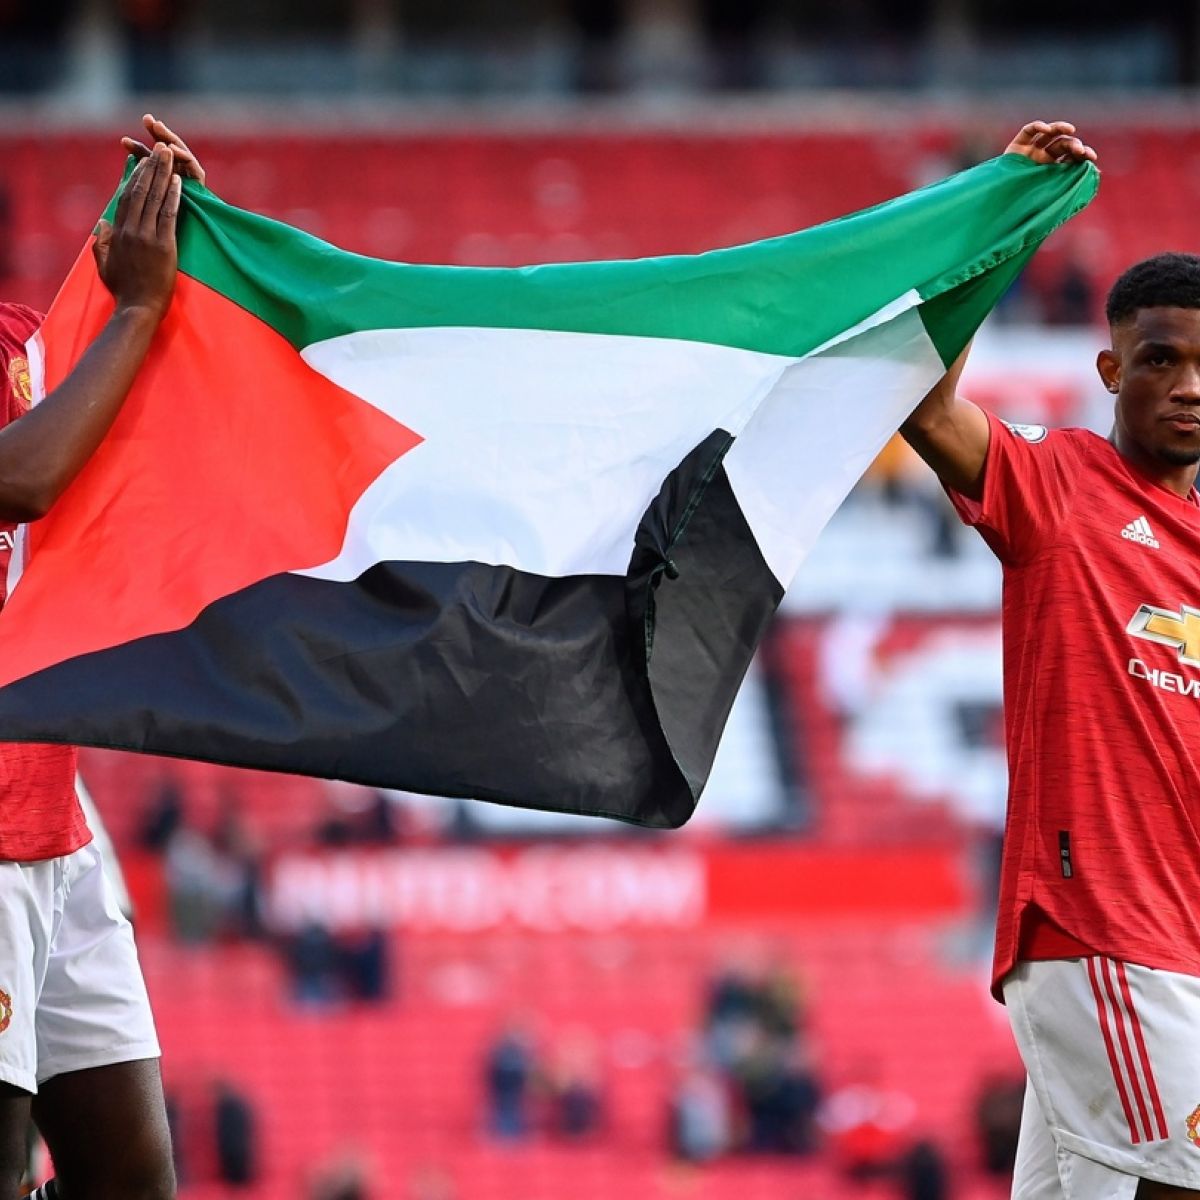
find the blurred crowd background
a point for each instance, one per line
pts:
(375, 995)
(227, 48)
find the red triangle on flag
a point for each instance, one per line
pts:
(231, 461)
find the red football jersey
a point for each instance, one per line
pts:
(1101, 619)
(40, 816)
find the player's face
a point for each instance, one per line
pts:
(1154, 368)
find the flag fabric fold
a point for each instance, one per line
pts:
(511, 534)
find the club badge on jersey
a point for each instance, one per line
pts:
(20, 381)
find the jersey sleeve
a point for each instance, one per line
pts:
(18, 323)
(1030, 481)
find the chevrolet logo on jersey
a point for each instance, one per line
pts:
(1179, 630)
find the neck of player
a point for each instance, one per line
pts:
(1179, 478)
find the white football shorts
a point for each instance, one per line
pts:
(1113, 1056)
(71, 989)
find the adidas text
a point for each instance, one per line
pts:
(1139, 531)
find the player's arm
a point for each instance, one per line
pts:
(136, 257)
(951, 434)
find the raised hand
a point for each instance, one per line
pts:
(1051, 142)
(186, 163)
(136, 255)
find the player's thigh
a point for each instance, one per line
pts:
(14, 1121)
(106, 1130)
(100, 1103)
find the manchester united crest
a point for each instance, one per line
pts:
(6, 1013)
(19, 380)
(1193, 1126)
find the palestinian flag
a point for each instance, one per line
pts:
(506, 534)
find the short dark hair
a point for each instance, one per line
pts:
(1165, 281)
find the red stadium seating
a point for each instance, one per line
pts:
(507, 198)
(402, 1082)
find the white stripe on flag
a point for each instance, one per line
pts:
(820, 428)
(543, 450)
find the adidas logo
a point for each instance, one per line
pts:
(1139, 531)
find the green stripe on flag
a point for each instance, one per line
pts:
(962, 239)
(952, 317)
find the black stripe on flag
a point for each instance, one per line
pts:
(590, 694)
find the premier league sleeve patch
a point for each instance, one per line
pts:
(1031, 433)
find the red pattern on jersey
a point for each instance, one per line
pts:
(1103, 755)
(40, 816)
